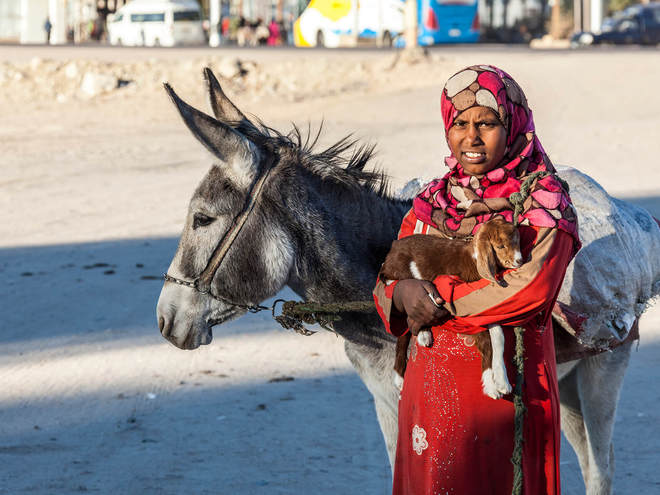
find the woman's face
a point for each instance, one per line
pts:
(478, 140)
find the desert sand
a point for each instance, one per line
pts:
(94, 188)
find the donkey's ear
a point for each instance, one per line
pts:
(485, 259)
(232, 148)
(221, 106)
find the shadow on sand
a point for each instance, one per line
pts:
(312, 434)
(305, 436)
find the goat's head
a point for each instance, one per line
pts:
(497, 244)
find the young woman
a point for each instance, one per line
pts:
(453, 439)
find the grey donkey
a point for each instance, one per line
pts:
(322, 225)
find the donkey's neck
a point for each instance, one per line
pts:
(342, 241)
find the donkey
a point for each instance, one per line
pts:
(322, 225)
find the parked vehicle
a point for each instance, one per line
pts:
(157, 23)
(334, 23)
(638, 24)
(448, 21)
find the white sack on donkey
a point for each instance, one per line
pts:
(621, 238)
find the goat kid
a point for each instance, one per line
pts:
(425, 257)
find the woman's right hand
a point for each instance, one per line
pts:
(411, 299)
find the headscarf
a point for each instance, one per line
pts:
(462, 202)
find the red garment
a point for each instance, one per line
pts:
(274, 37)
(453, 439)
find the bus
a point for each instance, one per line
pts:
(447, 21)
(333, 23)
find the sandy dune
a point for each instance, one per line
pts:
(94, 192)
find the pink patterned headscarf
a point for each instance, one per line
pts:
(458, 203)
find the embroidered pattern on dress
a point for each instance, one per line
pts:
(441, 396)
(419, 442)
(468, 340)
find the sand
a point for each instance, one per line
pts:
(94, 189)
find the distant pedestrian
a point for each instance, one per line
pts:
(224, 27)
(288, 28)
(47, 27)
(283, 35)
(243, 32)
(261, 33)
(273, 33)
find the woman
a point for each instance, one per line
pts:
(273, 33)
(453, 439)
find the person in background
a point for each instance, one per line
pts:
(283, 32)
(48, 27)
(273, 33)
(243, 32)
(261, 32)
(288, 27)
(224, 27)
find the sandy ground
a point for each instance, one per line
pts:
(94, 190)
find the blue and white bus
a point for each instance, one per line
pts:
(447, 21)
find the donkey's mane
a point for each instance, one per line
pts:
(343, 163)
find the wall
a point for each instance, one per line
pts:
(10, 17)
(33, 17)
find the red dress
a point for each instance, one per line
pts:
(452, 438)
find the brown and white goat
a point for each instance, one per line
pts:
(425, 257)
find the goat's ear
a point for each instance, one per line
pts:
(233, 149)
(485, 258)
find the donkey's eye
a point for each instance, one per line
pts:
(201, 220)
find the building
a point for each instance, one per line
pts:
(24, 21)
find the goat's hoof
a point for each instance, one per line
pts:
(488, 384)
(425, 338)
(501, 382)
(398, 382)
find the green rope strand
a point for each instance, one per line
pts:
(518, 199)
(294, 314)
(519, 412)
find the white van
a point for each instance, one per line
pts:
(157, 23)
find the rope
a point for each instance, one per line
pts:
(519, 412)
(294, 314)
(518, 199)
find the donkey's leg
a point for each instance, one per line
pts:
(599, 380)
(572, 422)
(388, 419)
(374, 368)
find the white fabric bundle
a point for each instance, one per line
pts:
(617, 271)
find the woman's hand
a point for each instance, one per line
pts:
(412, 298)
